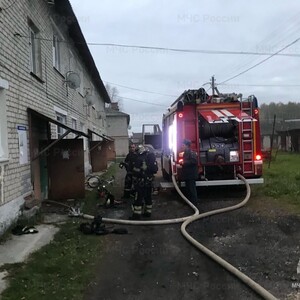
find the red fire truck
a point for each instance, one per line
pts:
(224, 131)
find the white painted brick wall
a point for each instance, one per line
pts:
(25, 91)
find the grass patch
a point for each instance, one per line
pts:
(282, 180)
(91, 200)
(112, 169)
(64, 268)
(60, 270)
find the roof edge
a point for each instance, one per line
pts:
(64, 8)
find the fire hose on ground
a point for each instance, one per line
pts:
(196, 216)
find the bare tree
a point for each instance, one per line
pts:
(113, 93)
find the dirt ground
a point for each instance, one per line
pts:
(156, 262)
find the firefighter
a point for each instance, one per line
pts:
(145, 167)
(128, 164)
(190, 171)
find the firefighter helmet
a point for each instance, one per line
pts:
(141, 149)
(186, 142)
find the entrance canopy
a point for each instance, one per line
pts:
(103, 136)
(43, 117)
(34, 113)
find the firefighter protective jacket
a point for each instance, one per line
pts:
(129, 160)
(145, 165)
(190, 165)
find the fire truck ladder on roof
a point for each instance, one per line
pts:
(247, 139)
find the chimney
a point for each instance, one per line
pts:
(114, 106)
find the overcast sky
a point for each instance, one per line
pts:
(256, 26)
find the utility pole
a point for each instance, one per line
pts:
(213, 85)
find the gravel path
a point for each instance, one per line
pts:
(156, 262)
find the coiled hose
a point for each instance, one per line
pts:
(196, 216)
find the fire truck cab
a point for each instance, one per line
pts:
(224, 131)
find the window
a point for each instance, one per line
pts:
(85, 140)
(59, 51)
(81, 88)
(62, 119)
(56, 53)
(71, 61)
(74, 123)
(88, 110)
(3, 122)
(35, 50)
(2, 142)
(74, 126)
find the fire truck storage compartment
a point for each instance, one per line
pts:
(219, 172)
(217, 140)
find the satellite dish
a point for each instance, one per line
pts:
(90, 99)
(73, 80)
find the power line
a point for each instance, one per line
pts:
(262, 85)
(135, 89)
(145, 102)
(189, 50)
(203, 51)
(270, 37)
(262, 61)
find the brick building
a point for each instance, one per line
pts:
(52, 100)
(117, 128)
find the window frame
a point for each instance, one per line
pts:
(81, 88)
(74, 122)
(35, 55)
(4, 154)
(56, 53)
(85, 140)
(71, 60)
(60, 130)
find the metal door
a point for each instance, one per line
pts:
(98, 156)
(66, 170)
(44, 177)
